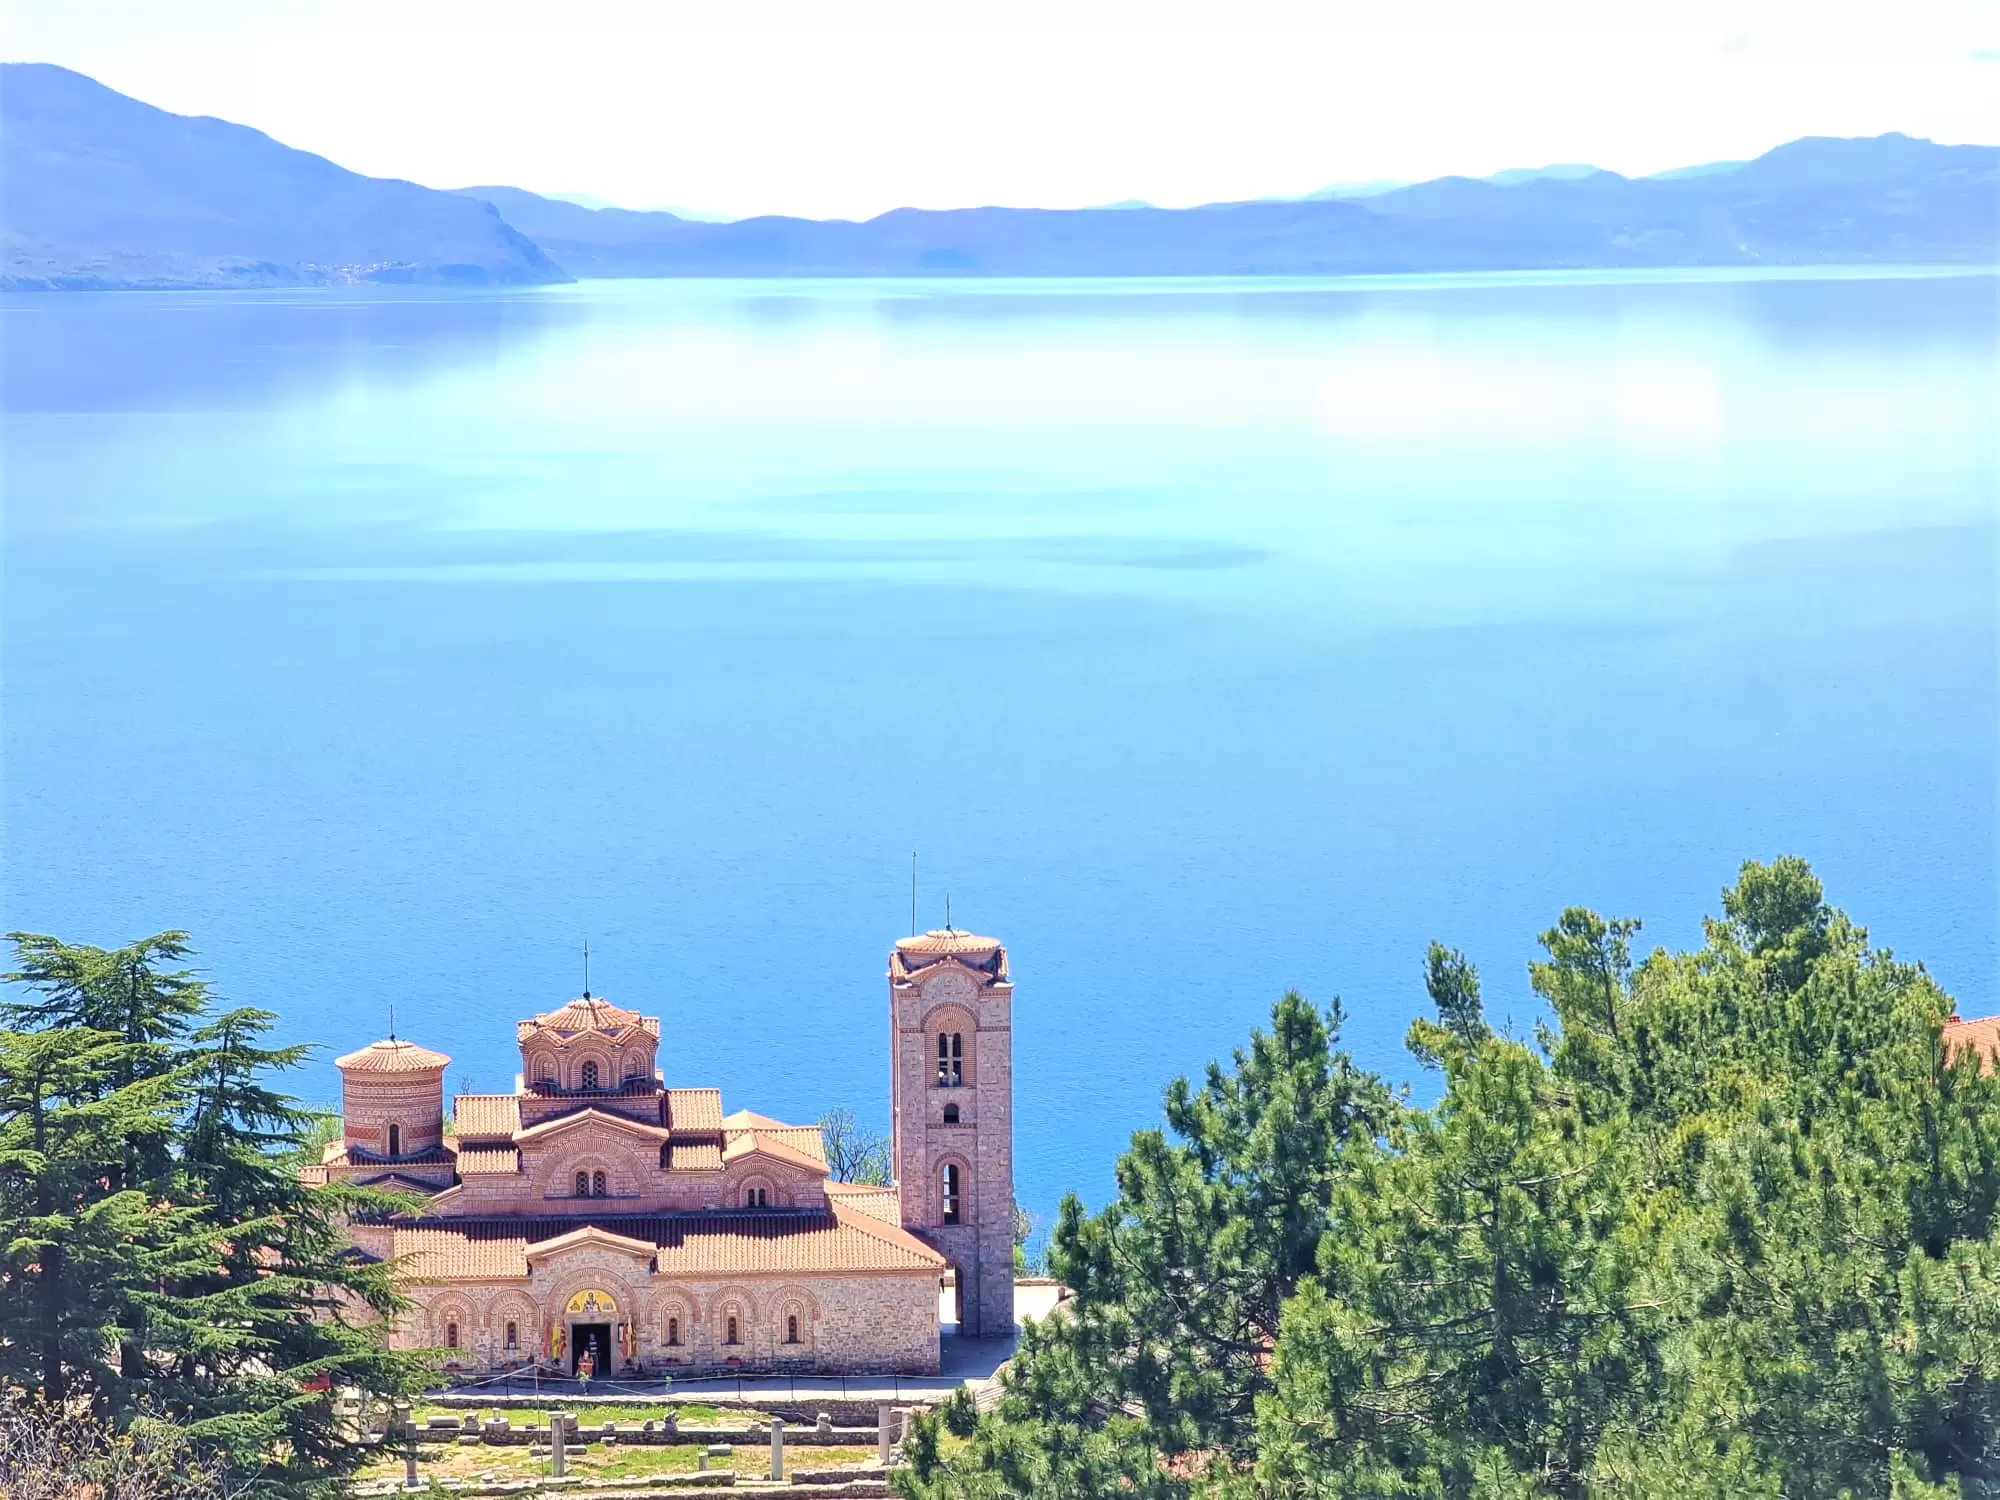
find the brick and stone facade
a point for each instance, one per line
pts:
(951, 1022)
(596, 1208)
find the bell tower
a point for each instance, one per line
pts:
(951, 1033)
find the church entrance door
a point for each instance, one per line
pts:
(596, 1337)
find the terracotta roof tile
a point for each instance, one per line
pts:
(589, 1014)
(694, 1156)
(468, 1253)
(694, 1109)
(590, 1114)
(486, 1116)
(774, 1243)
(941, 940)
(1982, 1035)
(789, 1146)
(392, 1055)
(483, 1161)
(883, 1203)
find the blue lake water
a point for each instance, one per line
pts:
(1206, 638)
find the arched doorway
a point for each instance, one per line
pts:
(590, 1315)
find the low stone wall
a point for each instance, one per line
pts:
(793, 1413)
(503, 1432)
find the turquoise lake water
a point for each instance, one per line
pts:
(1206, 638)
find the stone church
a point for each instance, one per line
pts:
(595, 1208)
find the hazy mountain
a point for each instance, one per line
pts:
(1561, 171)
(1375, 187)
(1816, 200)
(103, 191)
(1706, 169)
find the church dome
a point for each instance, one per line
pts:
(941, 941)
(586, 1015)
(392, 1055)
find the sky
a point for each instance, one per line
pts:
(846, 108)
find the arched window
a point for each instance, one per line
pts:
(674, 1332)
(513, 1337)
(791, 1328)
(395, 1140)
(951, 1059)
(451, 1335)
(663, 1158)
(583, 1184)
(951, 1192)
(756, 1197)
(597, 1184)
(729, 1330)
(951, 1114)
(590, 1075)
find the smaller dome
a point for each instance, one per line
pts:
(942, 940)
(392, 1055)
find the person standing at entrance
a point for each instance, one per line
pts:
(586, 1366)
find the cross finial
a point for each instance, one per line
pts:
(392, 1020)
(586, 968)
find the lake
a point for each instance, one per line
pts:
(1203, 638)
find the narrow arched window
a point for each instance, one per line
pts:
(951, 1192)
(451, 1335)
(951, 1114)
(395, 1140)
(590, 1075)
(597, 1184)
(729, 1332)
(513, 1337)
(951, 1059)
(583, 1184)
(663, 1158)
(791, 1328)
(674, 1332)
(756, 1197)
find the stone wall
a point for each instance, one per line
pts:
(413, 1102)
(980, 1142)
(858, 1324)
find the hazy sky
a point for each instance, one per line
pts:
(849, 107)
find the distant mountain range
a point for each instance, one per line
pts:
(102, 191)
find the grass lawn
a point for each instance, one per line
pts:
(599, 1462)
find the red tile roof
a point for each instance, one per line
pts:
(787, 1146)
(1982, 1035)
(739, 1243)
(392, 1055)
(694, 1156)
(486, 1116)
(940, 940)
(432, 1252)
(589, 1014)
(588, 1115)
(481, 1161)
(883, 1203)
(694, 1109)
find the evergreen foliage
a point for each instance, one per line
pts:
(1726, 1228)
(160, 1261)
